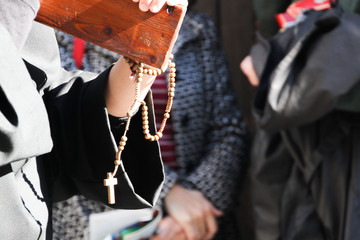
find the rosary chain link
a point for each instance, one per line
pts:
(139, 70)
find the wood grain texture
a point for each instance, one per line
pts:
(117, 25)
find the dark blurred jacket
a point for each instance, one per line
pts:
(305, 158)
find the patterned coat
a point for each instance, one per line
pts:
(209, 133)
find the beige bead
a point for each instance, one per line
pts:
(172, 85)
(172, 65)
(124, 138)
(146, 131)
(146, 71)
(172, 75)
(145, 108)
(147, 136)
(121, 148)
(171, 80)
(171, 89)
(146, 122)
(171, 57)
(156, 137)
(117, 162)
(139, 80)
(140, 75)
(145, 127)
(150, 71)
(141, 65)
(140, 70)
(171, 94)
(167, 115)
(152, 138)
(159, 71)
(122, 143)
(159, 134)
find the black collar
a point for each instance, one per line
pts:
(36, 74)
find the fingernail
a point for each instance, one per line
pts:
(154, 8)
(144, 7)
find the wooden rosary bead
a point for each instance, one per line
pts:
(139, 71)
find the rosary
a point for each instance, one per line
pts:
(138, 70)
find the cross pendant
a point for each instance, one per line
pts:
(110, 182)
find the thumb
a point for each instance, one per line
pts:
(216, 212)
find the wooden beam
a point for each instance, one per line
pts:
(117, 25)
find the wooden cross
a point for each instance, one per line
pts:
(110, 182)
(117, 25)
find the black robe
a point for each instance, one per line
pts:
(306, 158)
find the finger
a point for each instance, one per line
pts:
(211, 225)
(170, 229)
(199, 225)
(176, 2)
(248, 69)
(144, 5)
(189, 229)
(156, 237)
(156, 5)
(216, 212)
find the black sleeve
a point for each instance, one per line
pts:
(85, 147)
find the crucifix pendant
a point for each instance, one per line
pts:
(110, 182)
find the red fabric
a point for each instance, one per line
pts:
(78, 51)
(167, 144)
(296, 8)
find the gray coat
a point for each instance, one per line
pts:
(51, 122)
